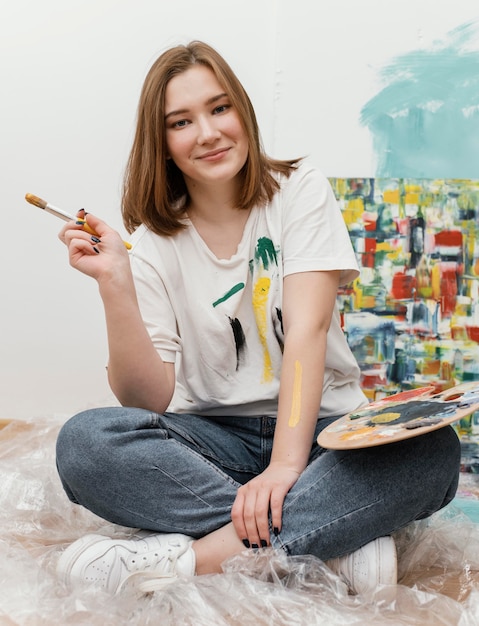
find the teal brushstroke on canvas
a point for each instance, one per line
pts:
(425, 121)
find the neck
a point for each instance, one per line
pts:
(220, 224)
(213, 202)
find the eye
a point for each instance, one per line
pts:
(221, 108)
(179, 124)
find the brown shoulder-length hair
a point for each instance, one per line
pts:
(154, 190)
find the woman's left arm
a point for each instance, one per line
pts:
(308, 303)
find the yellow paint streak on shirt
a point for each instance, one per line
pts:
(296, 402)
(260, 307)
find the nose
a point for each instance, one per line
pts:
(208, 131)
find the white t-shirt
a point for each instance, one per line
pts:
(223, 316)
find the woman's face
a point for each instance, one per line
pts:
(204, 135)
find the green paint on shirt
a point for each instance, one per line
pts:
(265, 252)
(230, 293)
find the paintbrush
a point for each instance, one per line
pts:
(43, 204)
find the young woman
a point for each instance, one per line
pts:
(227, 356)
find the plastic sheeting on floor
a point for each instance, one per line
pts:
(438, 566)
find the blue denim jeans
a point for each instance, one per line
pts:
(180, 473)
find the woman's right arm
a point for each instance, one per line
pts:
(137, 375)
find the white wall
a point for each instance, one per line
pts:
(70, 75)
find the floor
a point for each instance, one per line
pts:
(438, 564)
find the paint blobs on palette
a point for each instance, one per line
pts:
(402, 416)
(384, 418)
(405, 412)
(352, 434)
(427, 421)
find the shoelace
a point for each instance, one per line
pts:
(149, 580)
(139, 561)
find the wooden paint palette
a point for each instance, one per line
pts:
(401, 416)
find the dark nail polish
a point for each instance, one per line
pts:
(246, 543)
(255, 546)
(96, 250)
(276, 531)
(263, 543)
(80, 222)
(95, 239)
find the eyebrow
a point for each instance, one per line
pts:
(209, 101)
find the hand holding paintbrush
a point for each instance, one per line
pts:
(42, 204)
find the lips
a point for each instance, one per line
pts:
(213, 154)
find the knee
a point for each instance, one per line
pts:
(448, 443)
(77, 431)
(439, 454)
(76, 443)
(446, 464)
(452, 451)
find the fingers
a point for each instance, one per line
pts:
(257, 519)
(92, 224)
(276, 507)
(259, 505)
(77, 227)
(80, 247)
(97, 251)
(255, 516)
(91, 229)
(250, 515)
(238, 519)
(74, 234)
(87, 222)
(246, 518)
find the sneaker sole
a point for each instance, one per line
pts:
(387, 555)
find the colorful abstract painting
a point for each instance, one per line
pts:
(412, 316)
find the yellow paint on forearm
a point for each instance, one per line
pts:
(295, 415)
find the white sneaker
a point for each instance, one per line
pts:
(372, 565)
(109, 563)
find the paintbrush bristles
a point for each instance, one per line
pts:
(29, 197)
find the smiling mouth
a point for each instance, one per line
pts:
(213, 154)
